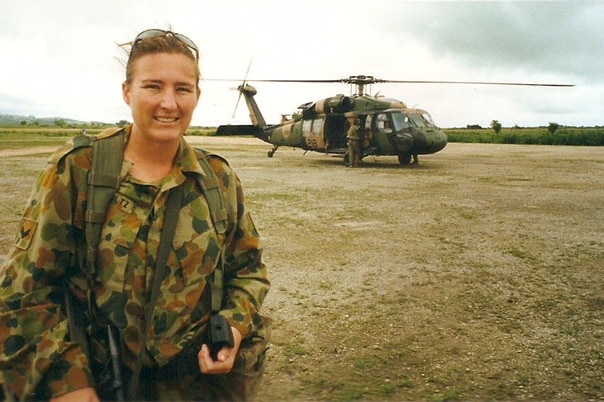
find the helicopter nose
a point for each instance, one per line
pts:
(429, 141)
(404, 141)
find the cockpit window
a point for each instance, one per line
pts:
(400, 121)
(417, 120)
(421, 119)
(428, 119)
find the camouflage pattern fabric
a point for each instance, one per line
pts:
(36, 355)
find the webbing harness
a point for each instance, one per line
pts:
(103, 182)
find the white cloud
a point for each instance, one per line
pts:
(61, 57)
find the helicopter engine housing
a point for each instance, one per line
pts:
(335, 104)
(332, 105)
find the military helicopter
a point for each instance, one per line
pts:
(388, 126)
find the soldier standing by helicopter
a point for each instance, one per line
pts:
(354, 142)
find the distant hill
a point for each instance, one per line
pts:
(7, 120)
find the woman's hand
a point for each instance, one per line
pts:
(225, 359)
(81, 395)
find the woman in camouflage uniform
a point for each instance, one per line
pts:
(37, 359)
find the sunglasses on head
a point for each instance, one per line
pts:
(155, 33)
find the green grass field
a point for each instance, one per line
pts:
(590, 136)
(19, 137)
(16, 137)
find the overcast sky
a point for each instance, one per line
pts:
(59, 57)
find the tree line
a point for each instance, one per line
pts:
(553, 134)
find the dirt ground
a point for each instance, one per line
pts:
(477, 275)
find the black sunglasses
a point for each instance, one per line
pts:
(155, 33)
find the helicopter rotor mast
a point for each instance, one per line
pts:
(361, 81)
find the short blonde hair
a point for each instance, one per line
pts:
(159, 44)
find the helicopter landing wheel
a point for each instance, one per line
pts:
(404, 159)
(270, 154)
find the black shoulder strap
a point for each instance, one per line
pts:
(173, 204)
(213, 194)
(211, 189)
(106, 164)
(103, 182)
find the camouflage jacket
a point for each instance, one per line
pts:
(354, 133)
(50, 248)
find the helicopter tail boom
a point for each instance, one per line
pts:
(239, 129)
(248, 93)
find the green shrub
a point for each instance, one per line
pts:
(587, 136)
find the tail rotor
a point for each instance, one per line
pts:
(240, 87)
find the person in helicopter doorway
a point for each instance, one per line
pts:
(354, 143)
(165, 352)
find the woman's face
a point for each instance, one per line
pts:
(162, 95)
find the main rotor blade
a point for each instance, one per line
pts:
(260, 80)
(371, 80)
(247, 71)
(529, 84)
(302, 81)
